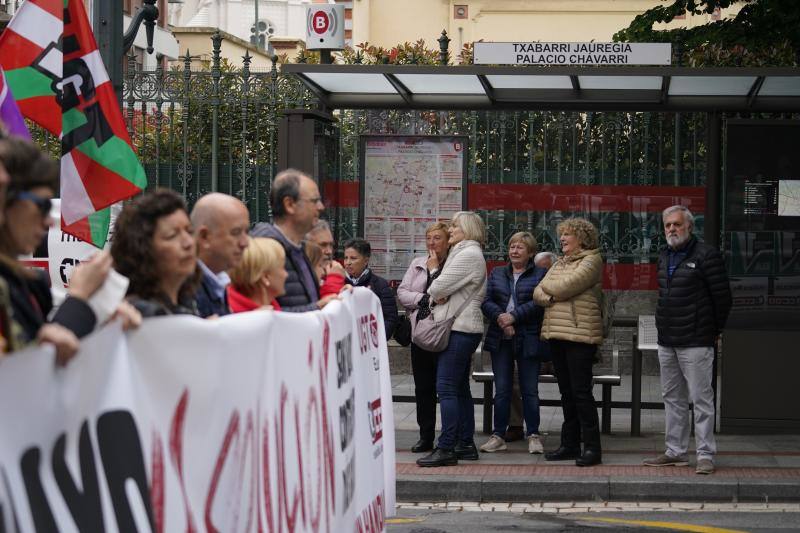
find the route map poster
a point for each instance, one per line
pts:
(408, 182)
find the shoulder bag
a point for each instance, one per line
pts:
(434, 336)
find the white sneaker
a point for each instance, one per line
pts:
(535, 444)
(494, 444)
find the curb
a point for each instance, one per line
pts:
(441, 488)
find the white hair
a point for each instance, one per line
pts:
(541, 255)
(687, 215)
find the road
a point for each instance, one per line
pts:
(711, 518)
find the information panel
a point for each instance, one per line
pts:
(408, 182)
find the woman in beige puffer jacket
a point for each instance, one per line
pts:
(571, 295)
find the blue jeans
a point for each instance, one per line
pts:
(503, 368)
(452, 386)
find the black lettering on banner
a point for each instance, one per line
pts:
(349, 483)
(77, 82)
(37, 500)
(344, 359)
(121, 452)
(85, 507)
(67, 263)
(347, 422)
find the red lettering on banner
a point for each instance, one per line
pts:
(283, 498)
(372, 518)
(176, 453)
(232, 431)
(267, 480)
(326, 340)
(327, 446)
(157, 482)
(247, 443)
(314, 405)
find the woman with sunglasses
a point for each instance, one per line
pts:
(33, 182)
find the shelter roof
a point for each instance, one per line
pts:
(552, 88)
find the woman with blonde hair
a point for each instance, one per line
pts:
(458, 293)
(571, 295)
(413, 295)
(259, 278)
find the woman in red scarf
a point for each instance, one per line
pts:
(259, 278)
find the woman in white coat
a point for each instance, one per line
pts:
(461, 286)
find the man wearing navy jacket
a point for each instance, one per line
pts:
(694, 300)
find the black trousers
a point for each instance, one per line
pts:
(573, 366)
(423, 365)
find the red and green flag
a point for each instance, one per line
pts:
(58, 79)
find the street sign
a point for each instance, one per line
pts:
(325, 27)
(572, 53)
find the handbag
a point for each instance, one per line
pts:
(402, 331)
(434, 335)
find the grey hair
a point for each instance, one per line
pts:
(321, 225)
(542, 255)
(687, 215)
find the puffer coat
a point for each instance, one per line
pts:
(570, 294)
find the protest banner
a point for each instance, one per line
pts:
(260, 421)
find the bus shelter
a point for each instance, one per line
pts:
(748, 202)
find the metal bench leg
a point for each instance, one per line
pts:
(488, 404)
(636, 391)
(605, 424)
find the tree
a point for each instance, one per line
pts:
(763, 33)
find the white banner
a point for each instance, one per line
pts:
(260, 421)
(572, 54)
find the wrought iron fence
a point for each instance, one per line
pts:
(196, 131)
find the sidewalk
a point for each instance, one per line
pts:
(749, 467)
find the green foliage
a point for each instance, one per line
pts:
(403, 54)
(763, 33)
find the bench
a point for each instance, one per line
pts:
(607, 381)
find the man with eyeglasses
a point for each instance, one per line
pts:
(296, 207)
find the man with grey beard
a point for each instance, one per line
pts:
(694, 299)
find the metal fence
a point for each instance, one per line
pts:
(197, 131)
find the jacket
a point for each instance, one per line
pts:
(412, 287)
(527, 314)
(208, 303)
(383, 291)
(463, 274)
(31, 303)
(299, 295)
(156, 307)
(571, 294)
(694, 304)
(332, 285)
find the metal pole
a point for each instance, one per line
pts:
(255, 26)
(107, 22)
(636, 388)
(713, 178)
(216, 41)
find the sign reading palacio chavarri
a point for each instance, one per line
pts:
(572, 54)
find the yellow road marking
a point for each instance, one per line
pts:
(404, 520)
(675, 526)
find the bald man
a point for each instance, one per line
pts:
(220, 225)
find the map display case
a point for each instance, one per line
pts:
(408, 182)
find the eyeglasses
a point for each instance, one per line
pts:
(43, 204)
(317, 200)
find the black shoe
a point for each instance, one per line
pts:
(422, 445)
(466, 451)
(439, 457)
(562, 454)
(589, 458)
(514, 433)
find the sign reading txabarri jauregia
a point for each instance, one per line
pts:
(572, 53)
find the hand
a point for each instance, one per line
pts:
(334, 267)
(433, 261)
(326, 300)
(442, 301)
(505, 319)
(90, 275)
(65, 342)
(130, 316)
(509, 331)
(267, 307)
(347, 288)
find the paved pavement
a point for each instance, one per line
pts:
(753, 468)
